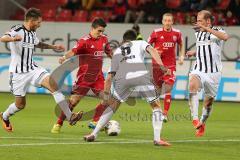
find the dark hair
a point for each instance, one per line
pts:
(207, 15)
(98, 22)
(136, 28)
(33, 13)
(129, 35)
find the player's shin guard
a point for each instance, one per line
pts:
(104, 119)
(206, 111)
(98, 112)
(157, 121)
(167, 103)
(193, 104)
(11, 110)
(63, 103)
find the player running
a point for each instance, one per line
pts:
(25, 72)
(164, 40)
(90, 49)
(128, 72)
(206, 73)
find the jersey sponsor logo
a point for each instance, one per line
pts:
(98, 53)
(168, 44)
(28, 45)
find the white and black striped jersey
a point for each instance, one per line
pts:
(22, 51)
(208, 52)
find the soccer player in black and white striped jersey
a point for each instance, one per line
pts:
(24, 72)
(206, 72)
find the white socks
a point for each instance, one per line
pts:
(193, 104)
(104, 119)
(10, 111)
(206, 111)
(157, 120)
(63, 104)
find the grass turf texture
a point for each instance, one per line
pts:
(32, 138)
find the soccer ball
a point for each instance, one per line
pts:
(113, 128)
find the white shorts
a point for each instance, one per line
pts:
(20, 82)
(209, 82)
(122, 89)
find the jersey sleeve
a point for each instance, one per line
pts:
(144, 46)
(152, 38)
(114, 62)
(11, 33)
(107, 48)
(36, 40)
(180, 39)
(78, 46)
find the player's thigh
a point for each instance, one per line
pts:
(19, 83)
(211, 84)
(114, 103)
(194, 82)
(41, 78)
(49, 84)
(98, 87)
(120, 90)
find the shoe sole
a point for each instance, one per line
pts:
(79, 117)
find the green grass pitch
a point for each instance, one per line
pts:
(32, 139)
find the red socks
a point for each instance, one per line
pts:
(167, 103)
(98, 112)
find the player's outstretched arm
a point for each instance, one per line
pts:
(154, 53)
(67, 55)
(7, 38)
(107, 85)
(49, 46)
(221, 35)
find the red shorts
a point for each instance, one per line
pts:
(82, 86)
(159, 77)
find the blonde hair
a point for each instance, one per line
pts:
(168, 14)
(207, 15)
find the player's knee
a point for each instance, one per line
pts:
(20, 105)
(193, 87)
(73, 102)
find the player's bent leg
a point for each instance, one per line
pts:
(13, 108)
(157, 121)
(206, 112)
(194, 85)
(59, 98)
(104, 119)
(73, 101)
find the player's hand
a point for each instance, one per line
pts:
(61, 59)
(198, 26)
(17, 38)
(60, 48)
(168, 72)
(181, 60)
(190, 53)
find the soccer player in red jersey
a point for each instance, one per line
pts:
(90, 49)
(165, 40)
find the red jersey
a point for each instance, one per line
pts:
(90, 51)
(166, 41)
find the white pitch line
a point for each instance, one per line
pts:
(132, 141)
